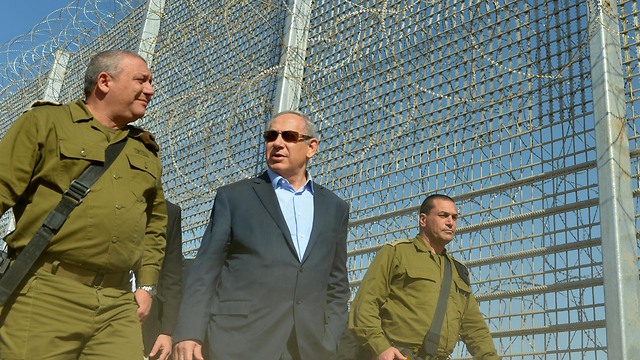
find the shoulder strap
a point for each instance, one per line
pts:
(432, 339)
(72, 197)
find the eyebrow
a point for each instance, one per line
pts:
(142, 74)
(448, 213)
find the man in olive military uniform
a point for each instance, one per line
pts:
(76, 302)
(396, 301)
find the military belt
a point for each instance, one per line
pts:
(436, 357)
(409, 355)
(87, 277)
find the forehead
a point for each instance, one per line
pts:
(287, 122)
(442, 205)
(133, 64)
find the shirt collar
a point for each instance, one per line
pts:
(278, 181)
(420, 245)
(80, 111)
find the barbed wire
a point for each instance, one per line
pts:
(478, 97)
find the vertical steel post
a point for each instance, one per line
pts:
(149, 35)
(150, 30)
(294, 54)
(56, 76)
(617, 225)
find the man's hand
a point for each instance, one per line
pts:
(391, 354)
(187, 350)
(163, 345)
(144, 300)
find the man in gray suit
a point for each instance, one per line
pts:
(270, 279)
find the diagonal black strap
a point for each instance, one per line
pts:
(432, 339)
(71, 198)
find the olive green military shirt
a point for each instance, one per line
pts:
(398, 296)
(119, 226)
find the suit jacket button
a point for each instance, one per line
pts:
(298, 301)
(301, 269)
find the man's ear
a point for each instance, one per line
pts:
(103, 83)
(422, 220)
(312, 147)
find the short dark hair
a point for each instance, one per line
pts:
(309, 127)
(427, 204)
(107, 61)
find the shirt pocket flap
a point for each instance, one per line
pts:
(462, 286)
(144, 164)
(237, 307)
(78, 150)
(421, 272)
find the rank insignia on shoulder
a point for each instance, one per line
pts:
(37, 103)
(401, 241)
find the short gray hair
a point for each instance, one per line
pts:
(106, 61)
(309, 127)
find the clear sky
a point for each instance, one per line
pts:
(18, 17)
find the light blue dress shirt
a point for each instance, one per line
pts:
(297, 208)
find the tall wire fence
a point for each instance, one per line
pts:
(488, 101)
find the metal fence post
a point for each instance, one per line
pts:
(619, 247)
(150, 30)
(56, 76)
(294, 53)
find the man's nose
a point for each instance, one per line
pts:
(149, 90)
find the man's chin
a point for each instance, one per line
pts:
(138, 115)
(275, 165)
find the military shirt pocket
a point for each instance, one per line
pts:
(143, 163)
(70, 149)
(422, 272)
(420, 279)
(461, 287)
(70, 166)
(143, 175)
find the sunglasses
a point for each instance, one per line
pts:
(289, 136)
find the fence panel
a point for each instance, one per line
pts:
(489, 102)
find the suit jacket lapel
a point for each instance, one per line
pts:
(319, 206)
(264, 190)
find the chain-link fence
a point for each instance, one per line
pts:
(494, 103)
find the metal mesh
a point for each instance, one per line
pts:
(489, 102)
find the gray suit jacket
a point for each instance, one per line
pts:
(164, 308)
(247, 288)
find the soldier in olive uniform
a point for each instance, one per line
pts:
(76, 302)
(396, 301)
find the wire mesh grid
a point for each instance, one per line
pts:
(486, 101)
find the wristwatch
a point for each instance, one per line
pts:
(149, 288)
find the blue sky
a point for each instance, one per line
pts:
(20, 16)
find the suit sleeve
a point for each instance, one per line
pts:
(202, 278)
(338, 287)
(170, 282)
